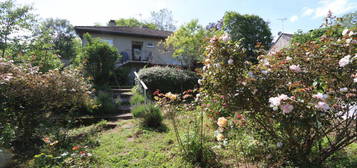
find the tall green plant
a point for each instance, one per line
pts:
(99, 60)
(251, 30)
(187, 43)
(13, 20)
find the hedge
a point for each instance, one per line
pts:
(167, 79)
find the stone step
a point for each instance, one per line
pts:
(121, 87)
(121, 90)
(126, 94)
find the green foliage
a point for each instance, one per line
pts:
(121, 76)
(152, 116)
(348, 20)
(253, 32)
(13, 20)
(187, 43)
(99, 60)
(42, 54)
(65, 147)
(307, 89)
(137, 99)
(107, 104)
(195, 148)
(62, 36)
(316, 34)
(28, 98)
(138, 110)
(132, 22)
(168, 79)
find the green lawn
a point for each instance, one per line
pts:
(129, 145)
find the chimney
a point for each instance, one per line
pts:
(111, 23)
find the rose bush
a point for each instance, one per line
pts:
(301, 99)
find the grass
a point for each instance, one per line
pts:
(130, 146)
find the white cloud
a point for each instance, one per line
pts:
(294, 18)
(308, 12)
(337, 7)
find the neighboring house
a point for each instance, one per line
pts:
(138, 46)
(281, 42)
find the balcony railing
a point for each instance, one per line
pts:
(142, 57)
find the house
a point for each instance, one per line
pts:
(281, 42)
(137, 45)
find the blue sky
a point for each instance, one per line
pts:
(299, 14)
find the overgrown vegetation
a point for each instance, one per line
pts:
(300, 102)
(29, 99)
(99, 59)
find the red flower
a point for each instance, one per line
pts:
(75, 147)
(157, 92)
(239, 116)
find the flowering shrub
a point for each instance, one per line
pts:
(28, 98)
(302, 99)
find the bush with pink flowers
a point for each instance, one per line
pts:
(29, 99)
(301, 102)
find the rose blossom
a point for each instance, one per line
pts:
(343, 89)
(287, 108)
(351, 33)
(344, 33)
(295, 68)
(230, 61)
(222, 122)
(225, 37)
(320, 96)
(322, 105)
(344, 61)
(220, 137)
(275, 101)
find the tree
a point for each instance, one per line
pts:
(163, 19)
(187, 43)
(348, 20)
(62, 36)
(251, 30)
(132, 22)
(13, 20)
(332, 26)
(42, 53)
(99, 60)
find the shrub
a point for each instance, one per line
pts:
(152, 116)
(168, 79)
(28, 98)
(300, 100)
(196, 152)
(138, 110)
(99, 60)
(107, 104)
(137, 98)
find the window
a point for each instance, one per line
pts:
(150, 45)
(109, 41)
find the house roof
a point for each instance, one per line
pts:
(123, 30)
(281, 42)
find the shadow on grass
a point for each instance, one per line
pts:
(158, 128)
